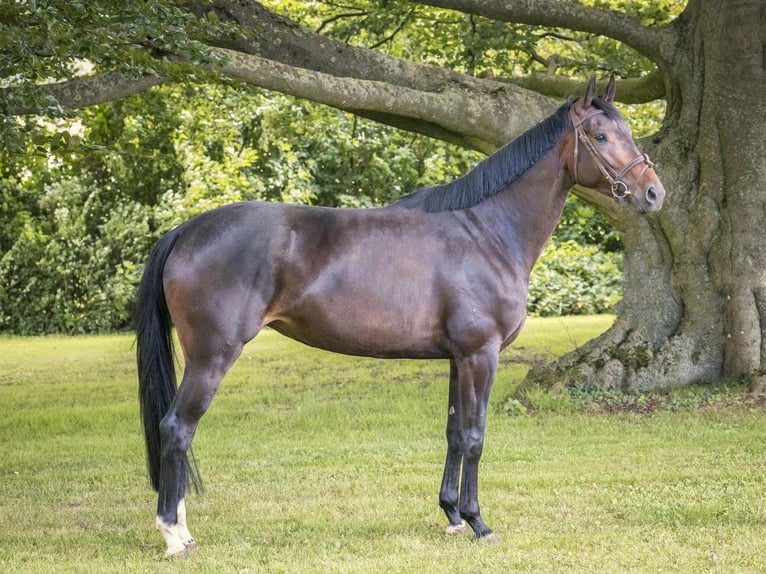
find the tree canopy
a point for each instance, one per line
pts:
(393, 61)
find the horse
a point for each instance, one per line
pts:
(441, 273)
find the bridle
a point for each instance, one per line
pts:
(620, 189)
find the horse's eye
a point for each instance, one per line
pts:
(601, 138)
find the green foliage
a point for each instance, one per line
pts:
(44, 40)
(575, 279)
(73, 269)
(50, 39)
(582, 223)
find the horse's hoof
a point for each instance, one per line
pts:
(180, 554)
(191, 546)
(457, 529)
(490, 538)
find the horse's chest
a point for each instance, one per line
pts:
(485, 315)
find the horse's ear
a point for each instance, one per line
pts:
(590, 92)
(611, 87)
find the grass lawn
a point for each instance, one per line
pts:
(316, 462)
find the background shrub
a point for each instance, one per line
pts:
(74, 267)
(575, 279)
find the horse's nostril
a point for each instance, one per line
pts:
(651, 195)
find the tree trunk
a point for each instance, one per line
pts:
(694, 304)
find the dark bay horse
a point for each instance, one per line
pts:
(440, 274)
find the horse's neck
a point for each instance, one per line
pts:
(526, 213)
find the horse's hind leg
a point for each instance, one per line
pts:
(195, 393)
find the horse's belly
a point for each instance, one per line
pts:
(363, 326)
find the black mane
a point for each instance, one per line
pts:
(502, 168)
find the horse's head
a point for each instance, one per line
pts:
(603, 156)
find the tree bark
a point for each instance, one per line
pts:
(733, 153)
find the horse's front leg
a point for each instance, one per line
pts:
(476, 374)
(448, 494)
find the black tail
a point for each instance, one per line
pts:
(155, 356)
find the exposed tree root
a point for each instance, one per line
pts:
(621, 359)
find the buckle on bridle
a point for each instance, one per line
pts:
(620, 190)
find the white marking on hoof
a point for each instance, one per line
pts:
(457, 529)
(183, 530)
(179, 540)
(176, 548)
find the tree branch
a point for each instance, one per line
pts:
(77, 93)
(474, 114)
(278, 38)
(480, 114)
(281, 55)
(629, 91)
(325, 23)
(557, 14)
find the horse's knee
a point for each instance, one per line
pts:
(473, 445)
(454, 446)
